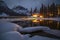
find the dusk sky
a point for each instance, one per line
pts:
(29, 3)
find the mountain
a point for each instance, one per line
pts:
(21, 10)
(4, 9)
(3, 14)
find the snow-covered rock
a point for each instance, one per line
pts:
(7, 26)
(32, 29)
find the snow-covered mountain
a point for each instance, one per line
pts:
(3, 14)
(4, 9)
(21, 10)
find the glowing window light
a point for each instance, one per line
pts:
(41, 16)
(35, 15)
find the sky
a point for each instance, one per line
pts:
(29, 3)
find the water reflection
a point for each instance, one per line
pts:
(35, 21)
(50, 23)
(58, 25)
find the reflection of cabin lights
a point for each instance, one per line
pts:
(33, 18)
(50, 21)
(41, 20)
(35, 21)
(41, 16)
(51, 14)
(58, 12)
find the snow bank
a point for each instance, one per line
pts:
(7, 26)
(41, 38)
(32, 29)
(13, 35)
(26, 36)
(8, 31)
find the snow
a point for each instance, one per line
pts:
(32, 29)
(9, 31)
(4, 14)
(7, 26)
(21, 11)
(41, 38)
(26, 36)
(13, 35)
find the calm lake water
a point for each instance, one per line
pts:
(49, 23)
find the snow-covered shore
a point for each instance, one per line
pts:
(9, 31)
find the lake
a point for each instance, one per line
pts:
(49, 23)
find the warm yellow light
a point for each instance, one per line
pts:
(34, 18)
(35, 15)
(41, 20)
(41, 16)
(35, 21)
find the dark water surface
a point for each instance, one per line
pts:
(49, 23)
